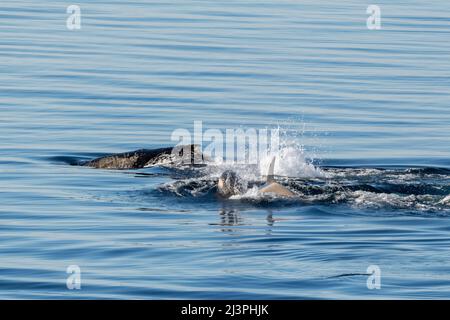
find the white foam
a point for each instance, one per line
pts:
(380, 200)
(445, 201)
(251, 193)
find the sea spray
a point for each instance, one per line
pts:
(291, 158)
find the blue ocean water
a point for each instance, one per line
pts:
(372, 107)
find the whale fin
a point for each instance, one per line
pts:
(272, 186)
(270, 175)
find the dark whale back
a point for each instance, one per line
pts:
(146, 157)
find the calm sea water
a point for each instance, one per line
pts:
(373, 107)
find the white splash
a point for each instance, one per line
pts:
(250, 194)
(445, 201)
(290, 162)
(291, 159)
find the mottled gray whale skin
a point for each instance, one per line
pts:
(185, 154)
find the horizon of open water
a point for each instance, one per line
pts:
(372, 107)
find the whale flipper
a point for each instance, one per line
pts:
(185, 154)
(270, 176)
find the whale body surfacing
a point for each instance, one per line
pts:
(274, 187)
(183, 154)
(231, 184)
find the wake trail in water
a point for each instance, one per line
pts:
(360, 188)
(413, 189)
